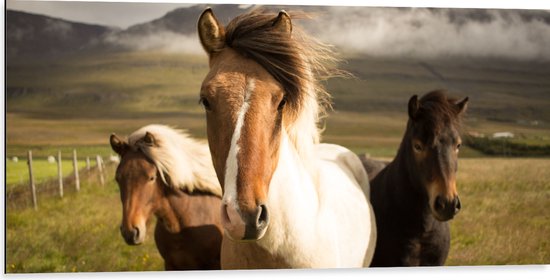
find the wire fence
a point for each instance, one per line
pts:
(27, 194)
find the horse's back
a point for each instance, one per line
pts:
(372, 166)
(344, 190)
(348, 162)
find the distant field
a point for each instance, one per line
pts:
(81, 100)
(505, 220)
(18, 172)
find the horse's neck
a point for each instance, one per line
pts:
(403, 188)
(293, 196)
(181, 209)
(305, 207)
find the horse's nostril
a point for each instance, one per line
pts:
(439, 203)
(135, 232)
(263, 216)
(458, 205)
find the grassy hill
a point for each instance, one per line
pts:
(81, 99)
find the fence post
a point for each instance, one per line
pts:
(100, 169)
(75, 166)
(60, 174)
(88, 163)
(31, 177)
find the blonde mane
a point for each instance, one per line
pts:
(298, 62)
(182, 161)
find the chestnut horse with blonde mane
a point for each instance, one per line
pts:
(164, 172)
(288, 201)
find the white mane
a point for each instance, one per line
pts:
(304, 132)
(183, 162)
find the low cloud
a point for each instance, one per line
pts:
(60, 28)
(165, 41)
(424, 33)
(401, 32)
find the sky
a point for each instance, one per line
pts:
(123, 14)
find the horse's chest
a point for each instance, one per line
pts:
(427, 247)
(191, 248)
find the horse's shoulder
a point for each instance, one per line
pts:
(346, 160)
(340, 155)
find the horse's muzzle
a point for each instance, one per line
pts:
(245, 225)
(133, 236)
(446, 209)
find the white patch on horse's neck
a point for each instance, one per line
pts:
(291, 188)
(303, 213)
(231, 164)
(304, 132)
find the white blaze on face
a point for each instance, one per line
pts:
(232, 167)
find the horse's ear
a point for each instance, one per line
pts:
(283, 23)
(120, 147)
(211, 33)
(413, 107)
(149, 139)
(462, 105)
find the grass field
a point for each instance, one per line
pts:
(505, 219)
(82, 99)
(505, 216)
(77, 102)
(18, 172)
(76, 233)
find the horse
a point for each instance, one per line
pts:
(163, 171)
(372, 166)
(288, 201)
(415, 195)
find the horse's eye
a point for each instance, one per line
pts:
(458, 146)
(204, 103)
(152, 178)
(417, 147)
(282, 104)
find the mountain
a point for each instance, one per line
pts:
(31, 35)
(175, 31)
(373, 31)
(184, 20)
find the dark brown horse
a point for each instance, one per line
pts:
(372, 166)
(416, 194)
(165, 173)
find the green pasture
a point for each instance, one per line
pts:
(76, 102)
(43, 151)
(82, 99)
(505, 215)
(76, 233)
(505, 220)
(18, 172)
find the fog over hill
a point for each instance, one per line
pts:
(37, 35)
(424, 33)
(416, 32)
(394, 32)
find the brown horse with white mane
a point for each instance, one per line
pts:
(164, 172)
(288, 201)
(416, 193)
